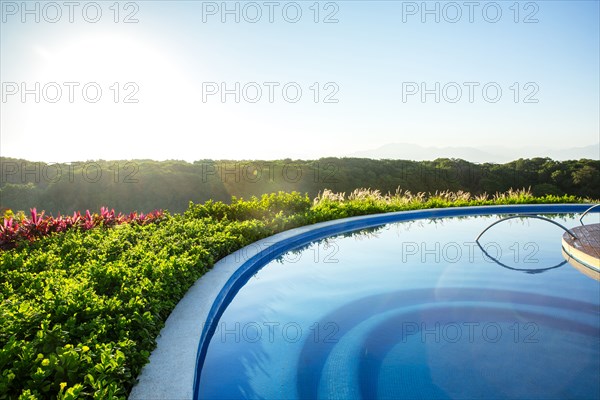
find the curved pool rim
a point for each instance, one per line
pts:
(294, 238)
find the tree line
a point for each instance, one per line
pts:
(145, 185)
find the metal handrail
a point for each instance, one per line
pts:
(587, 211)
(526, 270)
(527, 216)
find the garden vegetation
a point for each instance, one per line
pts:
(81, 306)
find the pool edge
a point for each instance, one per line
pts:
(172, 372)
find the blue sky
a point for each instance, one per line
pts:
(368, 61)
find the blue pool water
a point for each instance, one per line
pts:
(413, 310)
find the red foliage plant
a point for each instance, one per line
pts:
(12, 231)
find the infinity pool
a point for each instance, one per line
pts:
(413, 310)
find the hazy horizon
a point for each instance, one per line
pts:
(396, 151)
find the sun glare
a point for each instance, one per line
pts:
(114, 87)
(100, 56)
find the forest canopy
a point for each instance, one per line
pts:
(145, 185)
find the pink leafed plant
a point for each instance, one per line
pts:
(12, 232)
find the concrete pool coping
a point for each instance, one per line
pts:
(182, 343)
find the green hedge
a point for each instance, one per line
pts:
(81, 309)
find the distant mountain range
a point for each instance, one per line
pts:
(407, 151)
